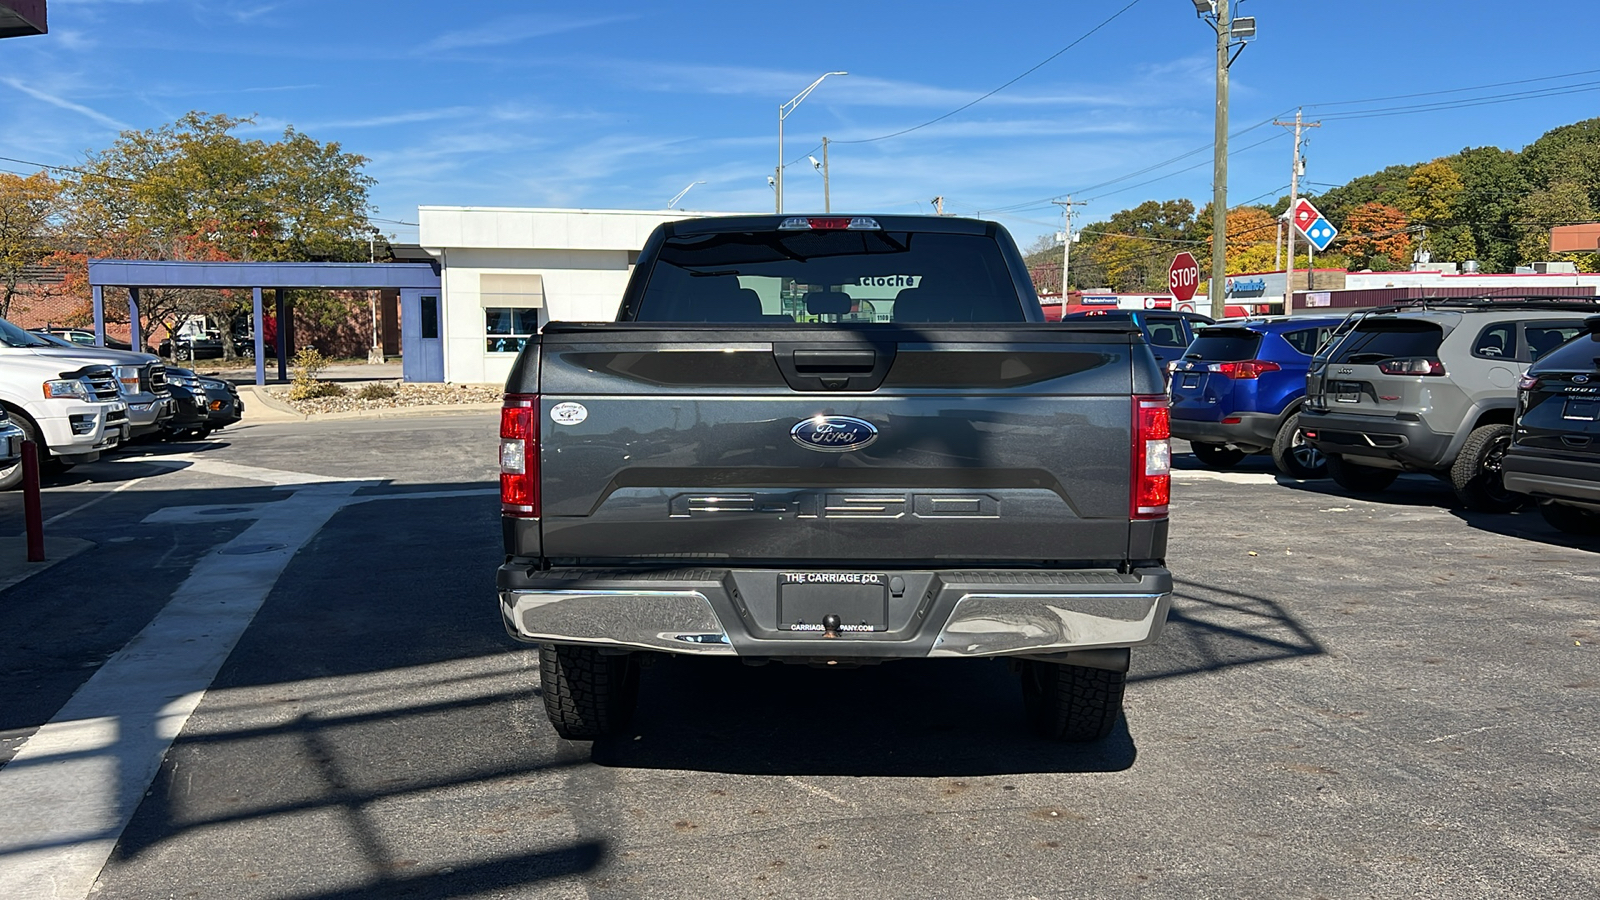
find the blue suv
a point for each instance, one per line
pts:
(1239, 387)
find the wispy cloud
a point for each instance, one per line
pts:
(867, 90)
(251, 13)
(405, 118)
(513, 29)
(64, 103)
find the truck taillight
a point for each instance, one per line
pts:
(1245, 370)
(519, 456)
(1152, 458)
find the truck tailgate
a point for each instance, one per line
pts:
(892, 445)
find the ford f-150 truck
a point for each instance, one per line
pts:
(835, 440)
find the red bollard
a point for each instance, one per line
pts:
(30, 501)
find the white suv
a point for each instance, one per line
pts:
(71, 408)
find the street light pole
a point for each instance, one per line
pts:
(784, 109)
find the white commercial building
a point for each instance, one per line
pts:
(505, 272)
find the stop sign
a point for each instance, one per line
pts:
(1183, 277)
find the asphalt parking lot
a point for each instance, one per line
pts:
(277, 671)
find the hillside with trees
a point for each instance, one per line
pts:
(1486, 204)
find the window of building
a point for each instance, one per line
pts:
(511, 304)
(508, 328)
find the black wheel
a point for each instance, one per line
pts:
(1359, 479)
(1571, 519)
(11, 476)
(588, 694)
(1217, 456)
(1476, 474)
(1294, 455)
(182, 353)
(1071, 703)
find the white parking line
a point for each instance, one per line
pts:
(71, 789)
(1229, 477)
(88, 503)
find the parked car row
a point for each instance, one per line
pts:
(77, 402)
(1498, 398)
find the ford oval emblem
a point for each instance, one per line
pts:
(833, 434)
(1580, 379)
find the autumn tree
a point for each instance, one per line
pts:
(28, 211)
(1377, 236)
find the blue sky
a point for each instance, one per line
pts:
(620, 105)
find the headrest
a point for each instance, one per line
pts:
(827, 303)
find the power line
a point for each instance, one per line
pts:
(1479, 87)
(1134, 174)
(1085, 36)
(1491, 100)
(1197, 165)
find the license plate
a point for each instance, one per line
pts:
(1190, 381)
(1345, 392)
(859, 599)
(1582, 410)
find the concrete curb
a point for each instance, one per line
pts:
(14, 565)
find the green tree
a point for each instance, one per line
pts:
(194, 189)
(28, 211)
(1561, 203)
(1492, 184)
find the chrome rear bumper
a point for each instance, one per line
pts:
(959, 614)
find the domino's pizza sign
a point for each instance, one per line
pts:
(1311, 223)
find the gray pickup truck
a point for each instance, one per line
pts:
(835, 440)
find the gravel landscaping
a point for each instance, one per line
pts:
(405, 395)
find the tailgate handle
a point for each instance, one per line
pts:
(835, 362)
(1574, 441)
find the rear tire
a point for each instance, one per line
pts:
(1476, 474)
(1217, 456)
(588, 694)
(1074, 704)
(1571, 519)
(1294, 455)
(1359, 479)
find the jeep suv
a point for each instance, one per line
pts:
(1239, 387)
(1555, 449)
(1431, 386)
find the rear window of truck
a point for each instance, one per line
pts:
(826, 277)
(1375, 340)
(1224, 345)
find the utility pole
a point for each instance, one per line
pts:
(938, 206)
(1231, 33)
(1297, 169)
(827, 200)
(1066, 239)
(1219, 173)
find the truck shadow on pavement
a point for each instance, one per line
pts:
(1212, 627)
(910, 718)
(920, 718)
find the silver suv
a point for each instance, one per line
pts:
(1431, 386)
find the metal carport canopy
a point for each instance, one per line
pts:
(153, 273)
